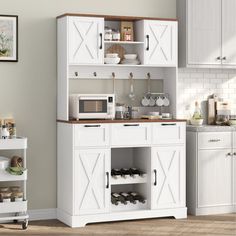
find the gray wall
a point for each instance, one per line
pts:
(28, 88)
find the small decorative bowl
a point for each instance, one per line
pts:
(196, 122)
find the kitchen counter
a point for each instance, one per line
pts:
(210, 128)
(119, 121)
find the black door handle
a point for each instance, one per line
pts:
(100, 41)
(155, 182)
(107, 174)
(92, 126)
(147, 48)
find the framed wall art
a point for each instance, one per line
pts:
(8, 38)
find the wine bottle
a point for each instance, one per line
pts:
(135, 171)
(128, 197)
(125, 172)
(114, 200)
(115, 173)
(119, 198)
(137, 197)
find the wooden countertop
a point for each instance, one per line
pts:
(114, 18)
(118, 121)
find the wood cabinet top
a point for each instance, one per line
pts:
(118, 121)
(123, 18)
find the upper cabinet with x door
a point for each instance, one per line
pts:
(85, 40)
(160, 42)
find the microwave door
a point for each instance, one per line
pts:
(93, 108)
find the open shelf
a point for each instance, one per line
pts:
(129, 180)
(10, 207)
(11, 144)
(7, 177)
(124, 42)
(129, 207)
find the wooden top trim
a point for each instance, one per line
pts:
(124, 18)
(118, 121)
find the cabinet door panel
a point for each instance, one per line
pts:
(169, 164)
(214, 178)
(161, 42)
(204, 32)
(85, 40)
(91, 195)
(234, 168)
(229, 32)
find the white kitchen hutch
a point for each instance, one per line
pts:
(87, 150)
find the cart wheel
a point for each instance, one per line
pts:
(15, 221)
(25, 224)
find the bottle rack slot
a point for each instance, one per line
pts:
(128, 176)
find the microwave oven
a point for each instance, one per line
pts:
(92, 106)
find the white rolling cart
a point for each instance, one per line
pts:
(14, 211)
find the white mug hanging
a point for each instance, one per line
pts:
(166, 101)
(159, 102)
(145, 101)
(152, 102)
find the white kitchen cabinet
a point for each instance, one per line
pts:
(91, 181)
(234, 168)
(207, 33)
(91, 135)
(84, 173)
(215, 178)
(167, 177)
(130, 134)
(169, 133)
(210, 172)
(160, 42)
(228, 32)
(85, 40)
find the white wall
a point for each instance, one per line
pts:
(28, 88)
(198, 84)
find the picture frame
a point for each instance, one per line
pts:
(8, 38)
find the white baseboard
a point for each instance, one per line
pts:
(42, 214)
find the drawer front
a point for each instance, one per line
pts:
(169, 133)
(131, 134)
(91, 135)
(212, 140)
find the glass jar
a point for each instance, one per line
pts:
(108, 34)
(5, 196)
(115, 35)
(17, 196)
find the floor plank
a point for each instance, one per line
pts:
(217, 225)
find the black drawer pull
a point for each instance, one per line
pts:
(92, 126)
(170, 124)
(130, 125)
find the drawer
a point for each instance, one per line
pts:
(169, 133)
(91, 135)
(131, 134)
(212, 140)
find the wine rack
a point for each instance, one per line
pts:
(137, 177)
(128, 203)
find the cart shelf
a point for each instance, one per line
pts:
(11, 207)
(6, 177)
(11, 144)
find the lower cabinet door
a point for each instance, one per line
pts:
(215, 178)
(168, 177)
(91, 181)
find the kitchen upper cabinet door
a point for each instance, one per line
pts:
(86, 40)
(160, 43)
(229, 32)
(204, 32)
(168, 177)
(91, 172)
(234, 167)
(215, 187)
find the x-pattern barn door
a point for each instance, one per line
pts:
(91, 192)
(167, 162)
(86, 40)
(160, 44)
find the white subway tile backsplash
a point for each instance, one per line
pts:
(198, 84)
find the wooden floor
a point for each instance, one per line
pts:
(218, 225)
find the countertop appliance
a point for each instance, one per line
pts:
(92, 106)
